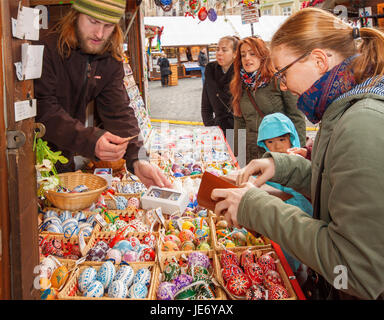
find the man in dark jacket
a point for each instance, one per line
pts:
(165, 71)
(83, 63)
(203, 61)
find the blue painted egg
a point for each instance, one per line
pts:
(126, 274)
(118, 289)
(142, 276)
(138, 291)
(86, 278)
(106, 274)
(94, 290)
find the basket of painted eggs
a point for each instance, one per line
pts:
(77, 190)
(129, 188)
(67, 223)
(60, 247)
(132, 247)
(186, 234)
(254, 274)
(110, 281)
(53, 275)
(230, 237)
(188, 276)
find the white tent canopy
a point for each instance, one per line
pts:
(186, 31)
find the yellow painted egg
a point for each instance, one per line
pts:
(49, 294)
(188, 225)
(59, 277)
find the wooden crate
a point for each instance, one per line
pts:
(71, 290)
(279, 268)
(169, 256)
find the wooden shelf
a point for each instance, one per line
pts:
(49, 2)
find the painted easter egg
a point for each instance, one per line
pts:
(94, 290)
(239, 284)
(272, 277)
(135, 202)
(171, 271)
(277, 292)
(166, 291)
(174, 238)
(186, 235)
(187, 294)
(86, 278)
(138, 291)
(228, 271)
(266, 262)
(49, 294)
(142, 276)
(188, 225)
(123, 246)
(80, 217)
(229, 257)
(182, 281)
(254, 272)
(130, 256)
(106, 274)
(255, 292)
(150, 240)
(204, 246)
(212, 15)
(59, 277)
(65, 215)
(202, 14)
(187, 246)
(170, 246)
(135, 243)
(114, 255)
(199, 259)
(125, 274)
(246, 258)
(147, 254)
(118, 289)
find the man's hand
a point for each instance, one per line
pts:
(110, 147)
(150, 175)
(263, 168)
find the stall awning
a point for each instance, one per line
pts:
(186, 31)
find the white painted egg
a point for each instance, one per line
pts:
(106, 274)
(86, 278)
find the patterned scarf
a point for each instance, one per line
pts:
(324, 91)
(249, 79)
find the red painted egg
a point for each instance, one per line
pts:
(150, 240)
(272, 277)
(230, 270)
(202, 14)
(186, 235)
(277, 292)
(239, 284)
(255, 292)
(228, 257)
(255, 273)
(246, 258)
(147, 254)
(266, 262)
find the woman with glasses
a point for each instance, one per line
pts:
(338, 73)
(216, 98)
(256, 94)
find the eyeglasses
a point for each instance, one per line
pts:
(280, 73)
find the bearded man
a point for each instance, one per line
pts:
(83, 62)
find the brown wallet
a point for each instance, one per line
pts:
(209, 182)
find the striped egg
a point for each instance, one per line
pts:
(106, 274)
(126, 274)
(118, 289)
(80, 216)
(65, 215)
(50, 213)
(54, 228)
(94, 290)
(86, 278)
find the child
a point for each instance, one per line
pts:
(277, 133)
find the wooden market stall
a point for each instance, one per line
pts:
(19, 243)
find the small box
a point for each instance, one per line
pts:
(105, 173)
(168, 200)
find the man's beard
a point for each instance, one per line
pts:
(86, 47)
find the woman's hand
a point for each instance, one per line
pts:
(263, 168)
(229, 200)
(150, 175)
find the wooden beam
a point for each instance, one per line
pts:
(49, 2)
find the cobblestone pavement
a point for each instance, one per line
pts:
(182, 102)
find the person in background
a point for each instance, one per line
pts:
(338, 73)
(165, 70)
(256, 94)
(203, 61)
(216, 98)
(83, 62)
(277, 133)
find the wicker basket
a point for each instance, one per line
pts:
(81, 200)
(169, 256)
(71, 290)
(279, 268)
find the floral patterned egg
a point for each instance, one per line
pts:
(125, 274)
(120, 224)
(142, 276)
(114, 255)
(106, 274)
(198, 259)
(110, 227)
(172, 237)
(198, 273)
(166, 291)
(205, 292)
(94, 290)
(230, 270)
(272, 277)
(150, 240)
(246, 258)
(186, 235)
(86, 278)
(182, 281)
(254, 272)
(171, 271)
(121, 203)
(135, 202)
(138, 291)
(147, 254)
(201, 235)
(277, 292)
(123, 246)
(118, 289)
(187, 246)
(266, 262)
(255, 292)
(239, 284)
(228, 257)
(135, 243)
(130, 256)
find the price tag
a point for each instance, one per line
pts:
(100, 220)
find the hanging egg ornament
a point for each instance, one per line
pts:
(202, 14)
(212, 15)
